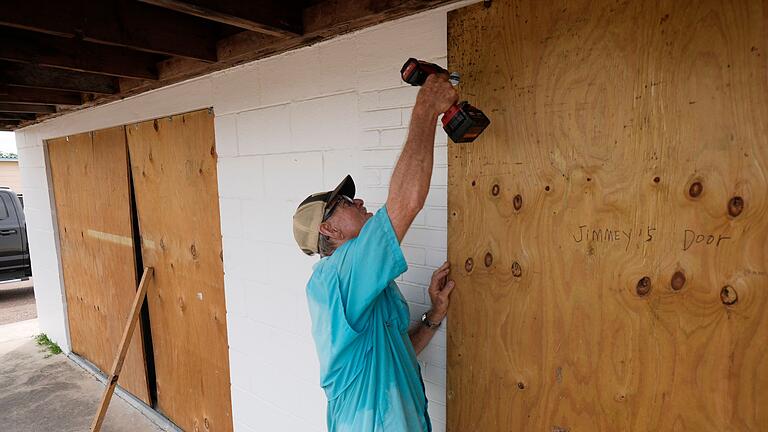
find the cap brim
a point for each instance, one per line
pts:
(346, 187)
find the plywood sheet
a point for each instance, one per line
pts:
(91, 188)
(174, 172)
(609, 231)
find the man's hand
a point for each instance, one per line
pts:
(436, 95)
(439, 292)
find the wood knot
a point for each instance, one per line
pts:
(155, 125)
(193, 251)
(735, 206)
(473, 183)
(517, 271)
(517, 202)
(546, 188)
(495, 190)
(469, 264)
(488, 259)
(643, 286)
(521, 385)
(695, 190)
(656, 179)
(678, 280)
(728, 295)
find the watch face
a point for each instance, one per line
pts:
(427, 323)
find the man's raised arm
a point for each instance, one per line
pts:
(409, 185)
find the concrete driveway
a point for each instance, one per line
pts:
(44, 393)
(17, 301)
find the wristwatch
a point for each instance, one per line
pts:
(428, 323)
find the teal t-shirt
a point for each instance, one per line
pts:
(360, 319)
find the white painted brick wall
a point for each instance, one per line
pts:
(285, 127)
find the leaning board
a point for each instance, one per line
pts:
(89, 172)
(173, 162)
(609, 232)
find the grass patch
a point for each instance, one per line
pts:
(47, 344)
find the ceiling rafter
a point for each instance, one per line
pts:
(27, 108)
(51, 51)
(74, 54)
(267, 17)
(122, 23)
(22, 95)
(27, 75)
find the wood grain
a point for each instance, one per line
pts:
(173, 161)
(89, 172)
(628, 284)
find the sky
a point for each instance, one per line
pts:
(8, 142)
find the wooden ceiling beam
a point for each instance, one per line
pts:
(24, 95)
(16, 116)
(123, 23)
(322, 20)
(27, 75)
(27, 108)
(54, 51)
(261, 16)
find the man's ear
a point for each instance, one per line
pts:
(330, 231)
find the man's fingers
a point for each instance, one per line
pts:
(449, 286)
(440, 274)
(442, 268)
(438, 77)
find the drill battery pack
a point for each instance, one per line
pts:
(463, 122)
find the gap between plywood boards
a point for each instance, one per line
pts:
(144, 318)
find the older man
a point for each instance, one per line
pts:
(360, 319)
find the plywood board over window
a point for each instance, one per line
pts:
(173, 161)
(89, 173)
(609, 231)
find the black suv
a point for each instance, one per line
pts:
(14, 250)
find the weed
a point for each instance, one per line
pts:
(47, 344)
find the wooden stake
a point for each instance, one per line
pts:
(117, 365)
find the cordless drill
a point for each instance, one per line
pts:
(462, 122)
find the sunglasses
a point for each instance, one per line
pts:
(344, 200)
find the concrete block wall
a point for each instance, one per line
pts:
(286, 126)
(319, 114)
